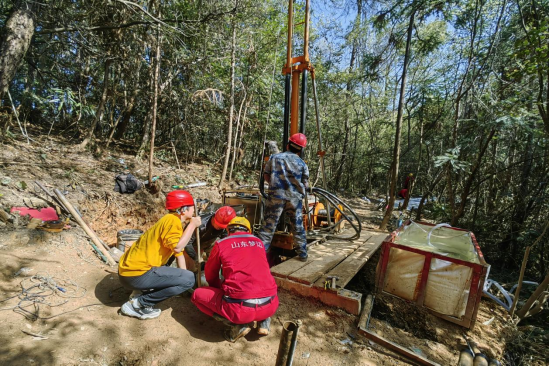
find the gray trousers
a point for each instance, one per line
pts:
(159, 284)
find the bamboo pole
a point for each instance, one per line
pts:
(522, 271)
(86, 228)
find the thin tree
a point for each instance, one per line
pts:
(231, 101)
(399, 122)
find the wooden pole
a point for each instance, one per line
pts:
(520, 280)
(199, 256)
(524, 311)
(86, 228)
(522, 271)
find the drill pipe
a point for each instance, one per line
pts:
(287, 345)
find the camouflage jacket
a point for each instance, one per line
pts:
(288, 175)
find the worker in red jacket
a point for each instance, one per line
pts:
(248, 292)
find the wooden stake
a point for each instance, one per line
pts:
(199, 256)
(86, 228)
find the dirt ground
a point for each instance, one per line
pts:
(81, 325)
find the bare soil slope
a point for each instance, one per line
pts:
(81, 325)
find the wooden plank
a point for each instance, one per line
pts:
(349, 267)
(290, 266)
(396, 348)
(348, 300)
(323, 261)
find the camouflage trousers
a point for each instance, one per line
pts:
(292, 207)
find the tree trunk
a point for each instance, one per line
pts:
(231, 101)
(428, 192)
(349, 86)
(467, 187)
(18, 32)
(397, 144)
(100, 108)
(509, 245)
(155, 100)
(234, 155)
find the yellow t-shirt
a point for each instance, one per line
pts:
(153, 248)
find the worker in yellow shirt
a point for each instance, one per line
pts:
(142, 266)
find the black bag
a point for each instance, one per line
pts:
(127, 183)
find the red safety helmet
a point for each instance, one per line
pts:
(177, 199)
(223, 216)
(299, 139)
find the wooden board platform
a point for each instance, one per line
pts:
(330, 257)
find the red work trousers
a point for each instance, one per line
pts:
(209, 300)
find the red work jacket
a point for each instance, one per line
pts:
(243, 261)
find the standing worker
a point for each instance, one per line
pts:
(288, 176)
(408, 181)
(248, 292)
(142, 266)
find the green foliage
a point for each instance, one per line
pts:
(452, 156)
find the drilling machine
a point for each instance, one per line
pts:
(324, 213)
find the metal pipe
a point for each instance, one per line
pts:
(293, 343)
(306, 33)
(320, 140)
(287, 345)
(303, 107)
(290, 28)
(286, 112)
(294, 102)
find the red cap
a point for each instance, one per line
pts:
(299, 139)
(223, 216)
(177, 199)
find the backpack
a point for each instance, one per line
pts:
(127, 183)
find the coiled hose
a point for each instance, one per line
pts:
(334, 200)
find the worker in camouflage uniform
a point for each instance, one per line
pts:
(287, 175)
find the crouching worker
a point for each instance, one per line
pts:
(212, 228)
(141, 267)
(248, 293)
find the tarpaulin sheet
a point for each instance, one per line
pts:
(448, 287)
(448, 283)
(437, 239)
(403, 273)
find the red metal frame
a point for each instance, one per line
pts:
(479, 272)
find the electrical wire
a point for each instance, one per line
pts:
(45, 290)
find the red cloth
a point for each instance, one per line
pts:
(246, 273)
(46, 214)
(244, 267)
(403, 193)
(209, 300)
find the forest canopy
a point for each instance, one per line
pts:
(455, 92)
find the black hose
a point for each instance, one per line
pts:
(332, 198)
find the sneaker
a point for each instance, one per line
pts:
(302, 258)
(135, 309)
(236, 331)
(263, 326)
